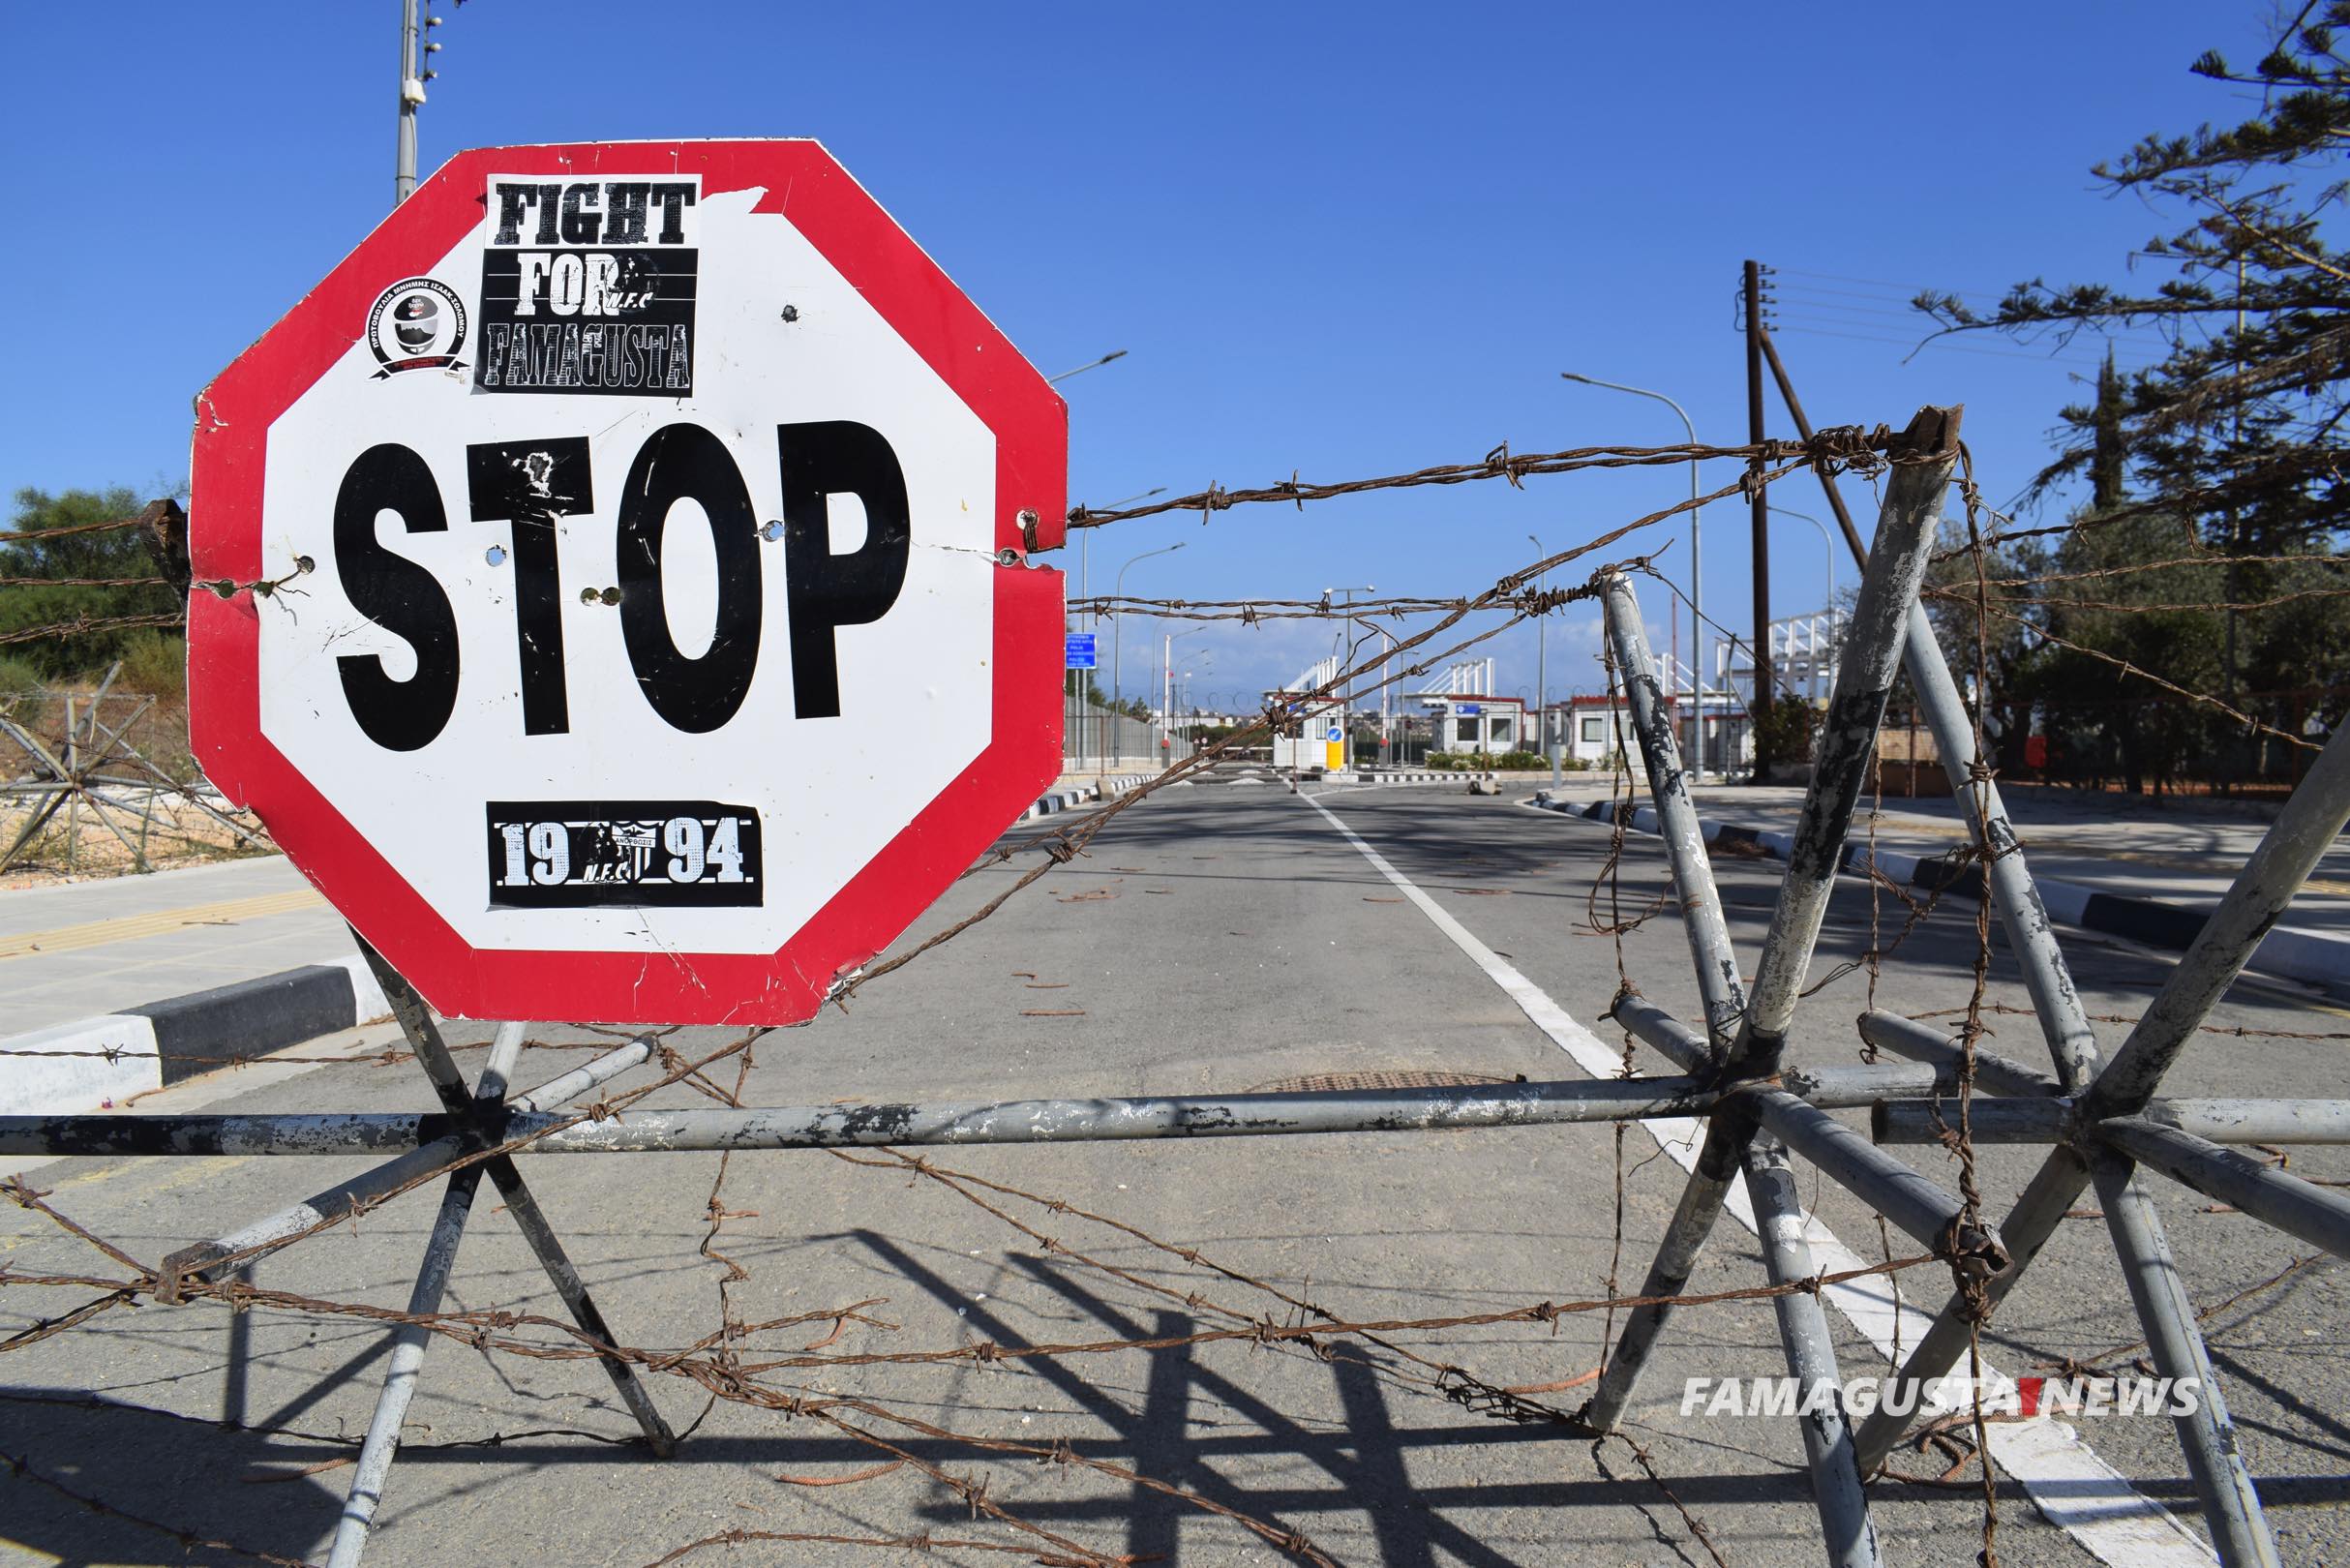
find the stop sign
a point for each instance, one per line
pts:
(644, 629)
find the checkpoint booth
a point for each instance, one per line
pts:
(1314, 739)
(1476, 725)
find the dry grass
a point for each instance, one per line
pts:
(150, 806)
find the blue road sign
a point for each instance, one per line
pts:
(1077, 651)
(1468, 708)
(1334, 736)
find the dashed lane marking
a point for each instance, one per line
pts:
(133, 927)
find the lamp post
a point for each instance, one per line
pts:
(1085, 551)
(1090, 364)
(416, 52)
(1347, 698)
(1696, 602)
(1827, 545)
(1085, 587)
(1167, 677)
(1542, 671)
(1118, 628)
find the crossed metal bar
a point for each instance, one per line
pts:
(2100, 1123)
(479, 1116)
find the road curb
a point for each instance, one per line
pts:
(91, 1063)
(2310, 956)
(158, 1043)
(1426, 776)
(1063, 799)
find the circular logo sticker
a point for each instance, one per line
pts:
(418, 323)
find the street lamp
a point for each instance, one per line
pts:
(1825, 544)
(1347, 698)
(416, 50)
(1166, 675)
(1085, 547)
(1090, 364)
(1084, 582)
(1542, 670)
(1118, 634)
(1696, 601)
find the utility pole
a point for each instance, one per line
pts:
(416, 52)
(1761, 702)
(1803, 428)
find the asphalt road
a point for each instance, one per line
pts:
(1216, 938)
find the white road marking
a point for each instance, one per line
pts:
(2074, 1489)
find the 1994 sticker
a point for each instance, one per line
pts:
(587, 853)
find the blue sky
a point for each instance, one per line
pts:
(1336, 240)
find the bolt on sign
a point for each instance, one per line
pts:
(627, 612)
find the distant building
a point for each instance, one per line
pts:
(1477, 724)
(1303, 742)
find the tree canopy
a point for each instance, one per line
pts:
(2215, 475)
(82, 595)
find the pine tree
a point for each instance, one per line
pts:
(2233, 444)
(68, 567)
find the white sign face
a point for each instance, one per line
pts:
(652, 585)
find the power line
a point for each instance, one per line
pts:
(2136, 335)
(2058, 358)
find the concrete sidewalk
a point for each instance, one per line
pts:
(2143, 851)
(92, 947)
(112, 989)
(2304, 952)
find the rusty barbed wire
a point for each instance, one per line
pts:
(1062, 845)
(84, 624)
(1250, 611)
(109, 526)
(85, 582)
(1971, 1284)
(2090, 1365)
(960, 1181)
(21, 1467)
(2119, 607)
(386, 1056)
(731, 1362)
(2192, 501)
(488, 1329)
(2250, 725)
(1844, 448)
(2239, 1031)
(2131, 568)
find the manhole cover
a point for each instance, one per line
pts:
(1318, 1081)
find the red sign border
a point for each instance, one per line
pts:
(1030, 423)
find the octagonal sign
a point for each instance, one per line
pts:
(613, 587)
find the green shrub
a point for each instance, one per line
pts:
(18, 676)
(155, 662)
(1785, 731)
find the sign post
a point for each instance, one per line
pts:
(571, 556)
(591, 535)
